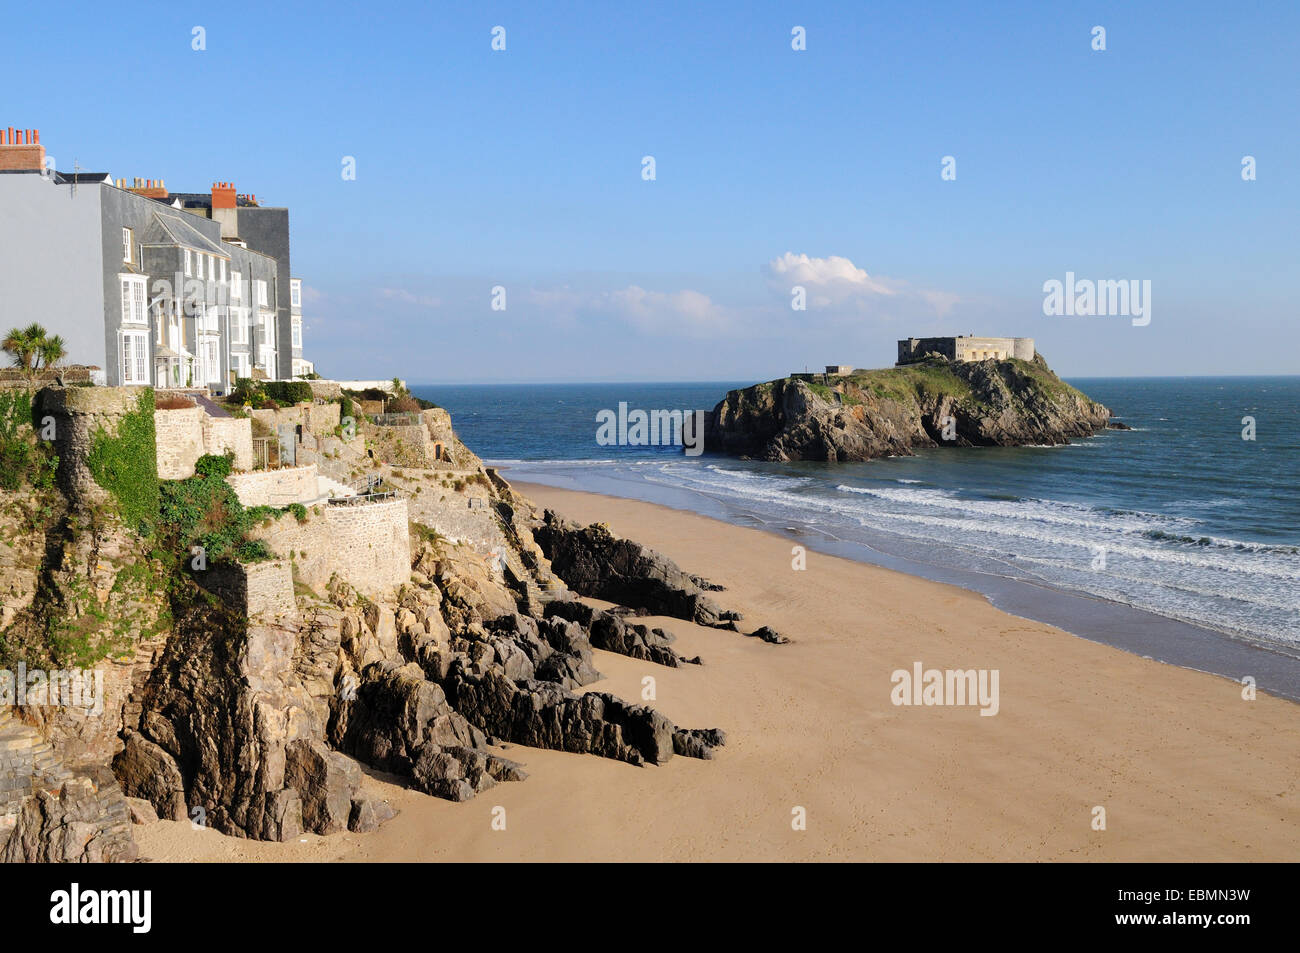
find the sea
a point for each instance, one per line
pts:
(1178, 539)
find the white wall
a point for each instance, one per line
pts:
(51, 268)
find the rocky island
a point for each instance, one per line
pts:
(935, 401)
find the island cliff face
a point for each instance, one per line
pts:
(893, 411)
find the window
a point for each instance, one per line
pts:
(212, 267)
(223, 269)
(297, 334)
(268, 331)
(135, 357)
(188, 266)
(133, 300)
(261, 293)
(295, 293)
(236, 281)
(126, 244)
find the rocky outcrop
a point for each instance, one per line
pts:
(255, 709)
(892, 412)
(608, 631)
(594, 562)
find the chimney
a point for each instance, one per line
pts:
(223, 195)
(21, 150)
(149, 188)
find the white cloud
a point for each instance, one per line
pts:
(834, 277)
(837, 283)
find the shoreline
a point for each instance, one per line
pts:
(1131, 629)
(1184, 767)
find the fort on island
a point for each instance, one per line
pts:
(965, 347)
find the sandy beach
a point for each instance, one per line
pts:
(1185, 768)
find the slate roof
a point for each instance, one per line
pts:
(173, 230)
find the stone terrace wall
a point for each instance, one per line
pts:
(275, 487)
(230, 433)
(367, 544)
(180, 441)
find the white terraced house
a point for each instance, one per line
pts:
(172, 290)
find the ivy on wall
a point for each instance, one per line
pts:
(127, 465)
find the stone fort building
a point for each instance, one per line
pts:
(965, 348)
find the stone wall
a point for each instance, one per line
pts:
(314, 418)
(234, 434)
(325, 390)
(262, 591)
(366, 544)
(275, 487)
(180, 441)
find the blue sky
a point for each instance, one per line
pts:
(523, 169)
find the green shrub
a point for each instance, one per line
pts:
(211, 464)
(288, 392)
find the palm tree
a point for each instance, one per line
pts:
(24, 344)
(51, 350)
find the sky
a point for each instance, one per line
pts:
(822, 168)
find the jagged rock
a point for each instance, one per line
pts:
(396, 714)
(282, 816)
(769, 634)
(325, 781)
(545, 715)
(146, 771)
(457, 773)
(142, 812)
(698, 742)
(607, 630)
(368, 814)
(892, 412)
(83, 823)
(593, 562)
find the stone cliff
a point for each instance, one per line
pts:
(894, 411)
(246, 693)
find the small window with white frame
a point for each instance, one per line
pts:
(236, 283)
(127, 236)
(134, 300)
(297, 332)
(295, 293)
(261, 294)
(189, 267)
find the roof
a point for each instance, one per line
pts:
(82, 178)
(166, 229)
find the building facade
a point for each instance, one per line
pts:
(139, 284)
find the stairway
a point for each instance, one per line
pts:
(27, 764)
(328, 488)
